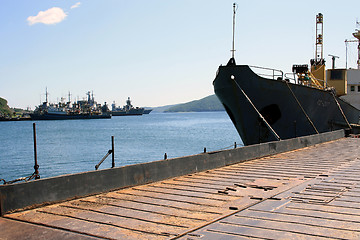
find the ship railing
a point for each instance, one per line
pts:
(291, 77)
(268, 72)
(311, 82)
(36, 174)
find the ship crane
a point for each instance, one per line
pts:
(314, 77)
(318, 63)
(356, 34)
(346, 45)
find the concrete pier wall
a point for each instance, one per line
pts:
(42, 191)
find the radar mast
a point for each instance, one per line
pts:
(233, 37)
(356, 34)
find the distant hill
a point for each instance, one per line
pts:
(207, 104)
(5, 110)
(162, 108)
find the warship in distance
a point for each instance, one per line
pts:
(82, 109)
(127, 110)
(269, 109)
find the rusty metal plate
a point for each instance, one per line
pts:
(302, 194)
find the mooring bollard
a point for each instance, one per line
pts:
(36, 166)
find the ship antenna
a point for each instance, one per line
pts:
(46, 94)
(235, 6)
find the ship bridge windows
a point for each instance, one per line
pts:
(354, 88)
(337, 74)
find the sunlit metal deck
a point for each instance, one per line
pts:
(308, 193)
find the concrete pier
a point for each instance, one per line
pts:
(309, 193)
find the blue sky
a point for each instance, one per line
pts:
(156, 52)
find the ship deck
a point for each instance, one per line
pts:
(310, 193)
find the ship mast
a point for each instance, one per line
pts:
(233, 37)
(319, 38)
(356, 34)
(318, 63)
(46, 95)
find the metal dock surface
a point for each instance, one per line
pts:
(310, 193)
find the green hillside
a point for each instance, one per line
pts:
(5, 110)
(207, 104)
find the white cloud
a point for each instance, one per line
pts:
(75, 5)
(51, 16)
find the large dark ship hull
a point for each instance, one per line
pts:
(49, 116)
(291, 110)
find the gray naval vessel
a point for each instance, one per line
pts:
(81, 109)
(127, 110)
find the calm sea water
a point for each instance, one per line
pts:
(78, 145)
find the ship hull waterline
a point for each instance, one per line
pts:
(125, 114)
(291, 113)
(68, 116)
(131, 112)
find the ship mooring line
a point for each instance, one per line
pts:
(342, 112)
(257, 111)
(307, 116)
